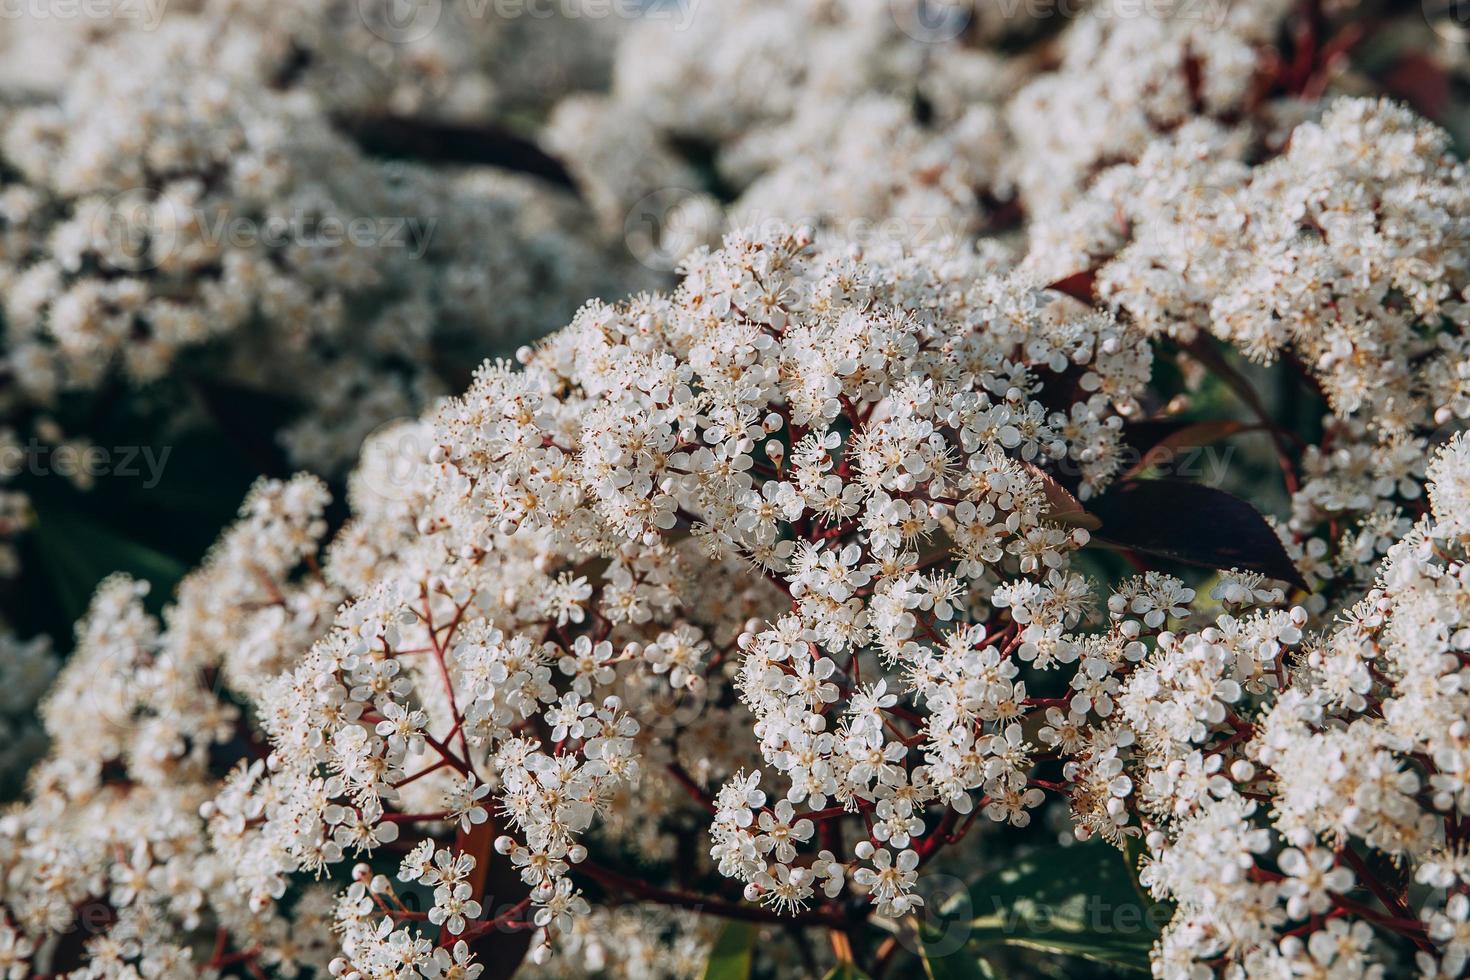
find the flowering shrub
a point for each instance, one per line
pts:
(824, 496)
(455, 60)
(847, 609)
(156, 233)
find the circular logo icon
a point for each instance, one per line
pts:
(112, 695)
(395, 458)
(941, 926)
(1450, 19)
(670, 710)
(665, 226)
(135, 231)
(932, 21)
(401, 21)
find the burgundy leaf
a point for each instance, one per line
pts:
(1159, 440)
(1061, 506)
(1193, 524)
(1079, 285)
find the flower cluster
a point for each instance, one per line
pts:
(1278, 773)
(1347, 246)
(112, 842)
(1130, 73)
(789, 593)
(878, 120)
(158, 231)
(459, 60)
(154, 215)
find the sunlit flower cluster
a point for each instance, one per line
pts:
(784, 597)
(1280, 772)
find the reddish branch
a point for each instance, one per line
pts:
(706, 904)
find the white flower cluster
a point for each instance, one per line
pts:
(1282, 775)
(155, 214)
(1130, 72)
(868, 118)
(1348, 254)
(173, 208)
(756, 597)
(112, 843)
(539, 578)
(860, 451)
(457, 60)
(1349, 245)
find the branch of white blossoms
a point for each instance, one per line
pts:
(779, 553)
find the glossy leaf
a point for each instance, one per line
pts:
(1194, 524)
(730, 957)
(1075, 901)
(1081, 286)
(961, 964)
(78, 553)
(1160, 441)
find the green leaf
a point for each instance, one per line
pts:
(729, 959)
(846, 970)
(961, 964)
(1076, 901)
(1134, 852)
(79, 552)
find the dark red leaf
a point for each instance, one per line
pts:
(1079, 285)
(1422, 83)
(1159, 441)
(400, 138)
(1193, 524)
(1062, 507)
